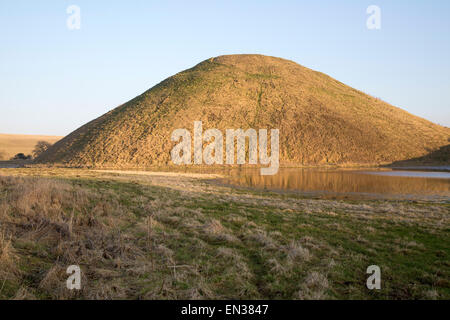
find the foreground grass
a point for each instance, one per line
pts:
(169, 237)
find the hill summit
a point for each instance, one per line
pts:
(320, 120)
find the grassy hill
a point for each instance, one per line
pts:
(321, 120)
(12, 144)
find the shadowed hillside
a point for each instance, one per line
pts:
(321, 120)
(440, 157)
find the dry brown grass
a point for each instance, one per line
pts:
(314, 287)
(8, 258)
(321, 120)
(295, 251)
(157, 237)
(59, 217)
(56, 224)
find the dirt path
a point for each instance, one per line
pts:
(167, 174)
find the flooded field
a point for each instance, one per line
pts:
(129, 228)
(367, 183)
(349, 183)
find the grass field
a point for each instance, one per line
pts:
(12, 144)
(166, 236)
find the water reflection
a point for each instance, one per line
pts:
(345, 181)
(412, 174)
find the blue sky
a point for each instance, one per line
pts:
(53, 80)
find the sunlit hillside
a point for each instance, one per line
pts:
(321, 120)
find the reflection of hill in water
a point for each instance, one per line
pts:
(341, 182)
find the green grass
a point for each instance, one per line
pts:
(237, 245)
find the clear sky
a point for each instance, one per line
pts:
(53, 80)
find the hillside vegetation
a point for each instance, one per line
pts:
(321, 120)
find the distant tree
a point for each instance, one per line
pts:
(40, 148)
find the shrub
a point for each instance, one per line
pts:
(40, 148)
(21, 156)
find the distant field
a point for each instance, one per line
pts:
(12, 144)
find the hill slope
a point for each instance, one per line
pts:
(321, 120)
(12, 144)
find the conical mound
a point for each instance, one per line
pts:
(321, 120)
